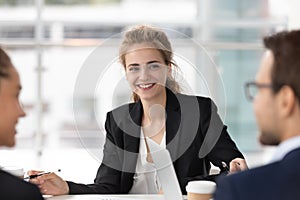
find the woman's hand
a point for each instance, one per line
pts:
(50, 184)
(237, 165)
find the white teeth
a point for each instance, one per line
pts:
(146, 85)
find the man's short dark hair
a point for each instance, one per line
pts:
(285, 47)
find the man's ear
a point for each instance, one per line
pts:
(287, 101)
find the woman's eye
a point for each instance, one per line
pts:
(154, 66)
(134, 69)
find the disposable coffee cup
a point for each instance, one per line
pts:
(14, 170)
(200, 190)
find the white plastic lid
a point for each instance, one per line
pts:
(17, 171)
(203, 187)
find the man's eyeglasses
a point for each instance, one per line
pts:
(251, 89)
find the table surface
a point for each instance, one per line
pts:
(106, 197)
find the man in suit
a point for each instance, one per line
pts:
(277, 109)
(11, 187)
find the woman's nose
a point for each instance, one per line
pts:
(144, 73)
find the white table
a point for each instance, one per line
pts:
(106, 197)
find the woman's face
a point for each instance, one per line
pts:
(146, 71)
(10, 108)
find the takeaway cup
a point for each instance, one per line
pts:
(200, 190)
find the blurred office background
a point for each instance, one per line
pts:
(66, 52)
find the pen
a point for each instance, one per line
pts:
(225, 166)
(39, 174)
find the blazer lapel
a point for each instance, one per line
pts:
(173, 115)
(183, 117)
(131, 127)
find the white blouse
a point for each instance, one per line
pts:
(145, 178)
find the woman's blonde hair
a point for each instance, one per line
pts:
(157, 39)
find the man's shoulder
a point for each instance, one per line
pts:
(270, 173)
(271, 181)
(256, 172)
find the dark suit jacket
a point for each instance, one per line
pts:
(13, 188)
(195, 136)
(275, 181)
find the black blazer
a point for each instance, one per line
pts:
(195, 136)
(14, 188)
(276, 181)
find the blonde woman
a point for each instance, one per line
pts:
(175, 121)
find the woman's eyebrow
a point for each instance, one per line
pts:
(137, 64)
(153, 61)
(133, 65)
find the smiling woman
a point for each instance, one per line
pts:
(187, 126)
(10, 112)
(146, 72)
(10, 108)
(149, 41)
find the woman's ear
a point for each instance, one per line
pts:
(169, 69)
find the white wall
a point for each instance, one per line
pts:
(293, 14)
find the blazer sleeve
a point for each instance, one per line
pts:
(224, 189)
(220, 147)
(15, 188)
(108, 175)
